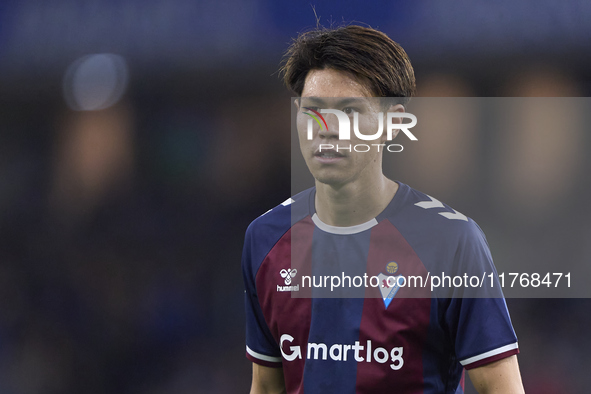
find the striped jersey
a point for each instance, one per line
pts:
(354, 310)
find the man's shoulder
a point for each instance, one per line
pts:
(282, 216)
(264, 232)
(427, 214)
(443, 238)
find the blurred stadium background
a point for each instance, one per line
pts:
(139, 138)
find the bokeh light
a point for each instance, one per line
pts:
(95, 82)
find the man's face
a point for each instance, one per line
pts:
(332, 89)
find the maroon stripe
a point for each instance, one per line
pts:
(491, 359)
(403, 324)
(284, 313)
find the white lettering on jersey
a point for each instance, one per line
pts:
(343, 352)
(296, 352)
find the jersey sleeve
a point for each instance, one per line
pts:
(261, 347)
(480, 323)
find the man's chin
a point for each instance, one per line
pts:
(333, 176)
(330, 180)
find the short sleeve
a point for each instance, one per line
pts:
(480, 325)
(261, 347)
(483, 331)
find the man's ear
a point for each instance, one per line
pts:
(396, 108)
(392, 108)
(296, 101)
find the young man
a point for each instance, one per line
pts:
(355, 221)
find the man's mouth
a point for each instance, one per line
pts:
(328, 154)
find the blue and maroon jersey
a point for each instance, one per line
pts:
(376, 337)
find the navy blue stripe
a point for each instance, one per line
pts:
(336, 320)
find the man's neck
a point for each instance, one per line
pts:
(353, 203)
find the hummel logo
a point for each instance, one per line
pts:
(287, 274)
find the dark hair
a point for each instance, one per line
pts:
(362, 51)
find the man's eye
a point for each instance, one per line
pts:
(312, 109)
(349, 110)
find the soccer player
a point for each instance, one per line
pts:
(365, 338)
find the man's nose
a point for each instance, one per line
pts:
(332, 131)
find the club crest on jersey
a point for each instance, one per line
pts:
(389, 284)
(287, 274)
(392, 267)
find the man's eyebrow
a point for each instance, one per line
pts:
(352, 100)
(313, 100)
